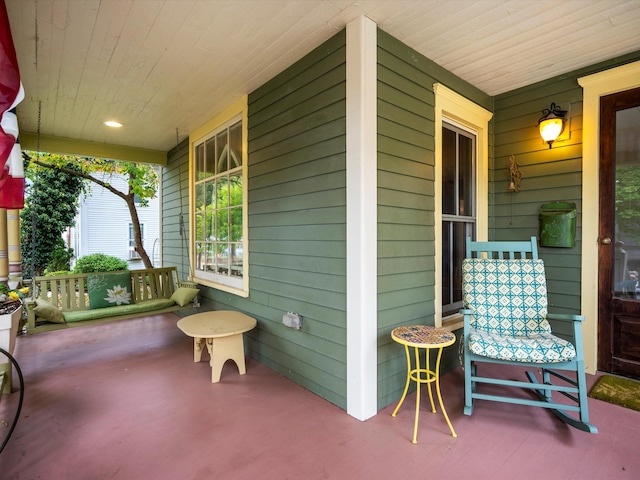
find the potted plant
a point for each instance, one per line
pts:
(10, 316)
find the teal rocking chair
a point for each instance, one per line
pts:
(506, 322)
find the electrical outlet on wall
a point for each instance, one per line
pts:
(292, 320)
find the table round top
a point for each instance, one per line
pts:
(424, 336)
(216, 324)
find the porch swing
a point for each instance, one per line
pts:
(63, 301)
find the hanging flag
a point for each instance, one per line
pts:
(12, 193)
(11, 93)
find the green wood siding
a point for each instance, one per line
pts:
(406, 153)
(297, 213)
(175, 200)
(297, 206)
(547, 174)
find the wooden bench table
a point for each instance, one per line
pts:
(221, 331)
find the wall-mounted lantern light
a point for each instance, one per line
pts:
(551, 123)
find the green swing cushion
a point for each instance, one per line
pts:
(154, 305)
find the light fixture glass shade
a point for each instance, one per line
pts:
(113, 124)
(551, 129)
(552, 123)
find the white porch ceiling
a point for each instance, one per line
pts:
(162, 65)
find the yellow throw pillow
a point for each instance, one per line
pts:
(48, 311)
(184, 295)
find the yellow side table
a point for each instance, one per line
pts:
(428, 338)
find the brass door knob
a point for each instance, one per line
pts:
(605, 241)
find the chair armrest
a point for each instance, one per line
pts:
(567, 326)
(466, 319)
(565, 317)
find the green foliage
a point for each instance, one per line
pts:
(628, 200)
(99, 262)
(219, 222)
(60, 260)
(142, 182)
(17, 294)
(50, 207)
(142, 178)
(47, 273)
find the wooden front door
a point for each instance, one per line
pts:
(619, 235)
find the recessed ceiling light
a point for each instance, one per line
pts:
(113, 123)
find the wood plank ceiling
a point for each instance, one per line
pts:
(162, 65)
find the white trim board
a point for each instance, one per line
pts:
(595, 86)
(362, 202)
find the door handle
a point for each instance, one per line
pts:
(605, 241)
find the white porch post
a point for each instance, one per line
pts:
(362, 319)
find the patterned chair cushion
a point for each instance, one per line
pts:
(508, 299)
(541, 348)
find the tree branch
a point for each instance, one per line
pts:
(86, 176)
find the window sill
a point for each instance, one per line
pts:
(222, 287)
(452, 322)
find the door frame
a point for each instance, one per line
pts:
(594, 86)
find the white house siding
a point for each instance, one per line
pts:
(102, 225)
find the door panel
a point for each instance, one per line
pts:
(619, 235)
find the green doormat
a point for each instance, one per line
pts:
(617, 390)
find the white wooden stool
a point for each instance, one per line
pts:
(221, 331)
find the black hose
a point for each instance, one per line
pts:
(15, 420)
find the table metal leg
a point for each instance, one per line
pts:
(420, 376)
(430, 376)
(416, 374)
(444, 412)
(406, 385)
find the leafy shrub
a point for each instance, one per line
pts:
(47, 273)
(99, 262)
(60, 260)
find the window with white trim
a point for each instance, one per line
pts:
(218, 207)
(458, 209)
(462, 127)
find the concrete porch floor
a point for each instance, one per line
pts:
(125, 401)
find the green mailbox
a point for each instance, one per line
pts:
(558, 224)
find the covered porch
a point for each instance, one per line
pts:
(125, 400)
